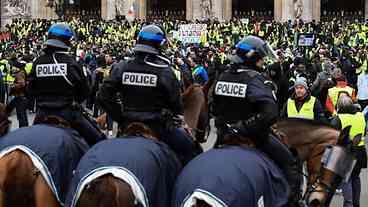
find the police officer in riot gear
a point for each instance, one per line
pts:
(149, 91)
(59, 84)
(244, 104)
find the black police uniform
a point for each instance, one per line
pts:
(59, 85)
(143, 88)
(148, 89)
(241, 94)
(242, 101)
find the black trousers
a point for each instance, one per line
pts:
(84, 125)
(20, 104)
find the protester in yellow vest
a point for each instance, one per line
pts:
(335, 92)
(302, 105)
(348, 115)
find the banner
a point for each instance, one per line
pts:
(191, 33)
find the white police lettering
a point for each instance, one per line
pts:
(231, 89)
(260, 202)
(51, 70)
(140, 79)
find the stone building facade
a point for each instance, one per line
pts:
(283, 10)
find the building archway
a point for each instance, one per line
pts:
(84, 8)
(340, 8)
(256, 8)
(166, 9)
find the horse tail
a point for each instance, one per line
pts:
(17, 179)
(107, 191)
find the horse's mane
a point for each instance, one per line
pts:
(309, 122)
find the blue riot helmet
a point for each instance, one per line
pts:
(59, 35)
(151, 39)
(251, 49)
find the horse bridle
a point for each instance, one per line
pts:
(333, 159)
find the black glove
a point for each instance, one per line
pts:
(251, 128)
(244, 127)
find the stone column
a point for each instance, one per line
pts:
(366, 9)
(196, 10)
(141, 9)
(2, 17)
(217, 9)
(316, 10)
(41, 10)
(278, 10)
(227, 9)
(189, 10)
(108, 10)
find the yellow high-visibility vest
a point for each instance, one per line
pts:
(28, 68)
(357, 123)
(335, 92)
(305, 112)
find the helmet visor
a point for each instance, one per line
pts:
(267, 51)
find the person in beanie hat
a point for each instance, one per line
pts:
(302, 104)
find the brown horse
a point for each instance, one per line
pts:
(108, 190)
(19, 178)
(21, 181)
(196, 111)
(309, 139)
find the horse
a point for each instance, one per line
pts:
(37, 163)
(196, 114)
(255, 179)
(4, 120)
(134, 170)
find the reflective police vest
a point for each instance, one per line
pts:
(335, 92)
(28, 68)
(305, 112)
(357, 123)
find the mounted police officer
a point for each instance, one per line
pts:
(59, 85)
(149, 91)
(244, 104)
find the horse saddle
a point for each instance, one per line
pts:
(52, 120)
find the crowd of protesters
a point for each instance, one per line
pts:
(336, 59)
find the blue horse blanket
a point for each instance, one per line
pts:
(231, 177)
(151, 165)
(57, 152)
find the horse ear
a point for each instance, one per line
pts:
(344, 138)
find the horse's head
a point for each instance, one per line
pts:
(337, 164)
(322, 148)
(141, 130)
(4, 121)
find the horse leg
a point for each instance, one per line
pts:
(44, 197)
(107, 191)
(203, 124)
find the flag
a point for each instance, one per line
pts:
(131, 10)
(131, 14)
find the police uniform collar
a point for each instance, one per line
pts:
(242, 68)
(157, 61)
